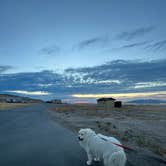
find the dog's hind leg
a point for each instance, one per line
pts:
(106, 163)
(117, 159)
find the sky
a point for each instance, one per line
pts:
(80, 50)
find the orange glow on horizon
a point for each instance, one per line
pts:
(124, 95)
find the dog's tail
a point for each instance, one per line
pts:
(117, 159)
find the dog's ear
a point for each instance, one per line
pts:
(89, 129)
(79, 129)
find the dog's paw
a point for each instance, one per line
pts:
(96, 159)
(88, 162)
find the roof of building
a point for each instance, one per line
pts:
(105, 99)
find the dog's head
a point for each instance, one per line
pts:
(84, 134)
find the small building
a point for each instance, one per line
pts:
(56, 101)
(108, 102)
(104, 100)
(118, 104)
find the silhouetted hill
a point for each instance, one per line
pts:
(6, 98)
(147, 101)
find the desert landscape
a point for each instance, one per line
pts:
(140, 127)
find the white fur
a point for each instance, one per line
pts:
(101, 149)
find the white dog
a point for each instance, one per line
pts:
(100, 147)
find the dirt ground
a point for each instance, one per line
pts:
(141, 127)
(5, 106)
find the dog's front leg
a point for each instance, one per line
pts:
(90, 158)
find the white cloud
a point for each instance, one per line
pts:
(45, 85)
(149, 84)
(80, 78)
(108, 82)
(35, 93)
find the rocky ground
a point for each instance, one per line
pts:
(141, 127)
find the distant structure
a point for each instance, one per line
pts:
(106, 101)
(118, 104)
(55, 101)
(109, 103)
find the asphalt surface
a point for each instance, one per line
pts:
(29, 136)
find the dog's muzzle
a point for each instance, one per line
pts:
(80, 139)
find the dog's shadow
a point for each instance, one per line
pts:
(97, 163)
(101, 164)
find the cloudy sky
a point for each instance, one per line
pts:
(79, 50)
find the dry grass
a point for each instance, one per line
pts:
(76, 107)
(142, 112)
(135, 125)
(5, 106)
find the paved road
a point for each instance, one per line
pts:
(29, 136)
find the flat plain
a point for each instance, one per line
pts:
(141, 127)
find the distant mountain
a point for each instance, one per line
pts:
(6, 98)
(147, 101)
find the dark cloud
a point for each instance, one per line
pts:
(93, 42)
(157, 46)
(52, 50)
(128, 73)
(4, 68)
(132, 45)
(103, 41)
(116, 76)
(129, 35)
(146, 45)
(38, 81)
